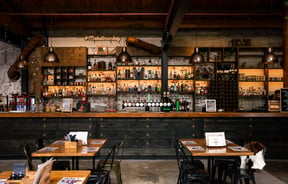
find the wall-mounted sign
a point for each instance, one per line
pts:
(102, 38)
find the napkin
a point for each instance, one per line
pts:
(80, 135)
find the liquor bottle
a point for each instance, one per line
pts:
(110, 66)
(170, 75)
(95, 66)
(168, 101)
(177, 103)
(119, 75)
(164, 107)
(89, 64)
(156, 75)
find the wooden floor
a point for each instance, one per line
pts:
(166, 171)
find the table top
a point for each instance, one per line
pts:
(57, 149)
(55, 176)
(197, 147)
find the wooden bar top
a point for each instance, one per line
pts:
(140, 114)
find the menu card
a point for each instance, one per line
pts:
(97, 142)
(195, 148)
(188, 142)
(43, 172)
(48, 149)
(70, 180)
(238, 148)
(86, 149)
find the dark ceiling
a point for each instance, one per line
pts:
(39, 16)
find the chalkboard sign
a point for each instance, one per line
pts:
(284, 99)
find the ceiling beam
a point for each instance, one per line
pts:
(12, 24)
(15, 23)
(175, 15)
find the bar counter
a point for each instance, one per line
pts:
(148, 134)
(139, 114)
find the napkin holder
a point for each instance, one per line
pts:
(72, 145)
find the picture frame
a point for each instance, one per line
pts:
(274, 105)
(67, 104)
(210, 105)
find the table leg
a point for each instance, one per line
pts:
(77, 163)
(94, 163)
(73, 165)
(209, 165)
(212, 169)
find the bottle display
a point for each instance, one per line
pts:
(234, 77)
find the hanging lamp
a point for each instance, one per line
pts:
(124, 57)
(196, 57)
(51, 56)
(270, 57)
(22, 64)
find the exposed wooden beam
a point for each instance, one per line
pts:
(15, 23)
(230, 23)
(175, 15)
(12, 24)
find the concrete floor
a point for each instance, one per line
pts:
(166, 171)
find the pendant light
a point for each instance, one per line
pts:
(51, 56)
(22, 64)
(196, 57)
(269, 57)
(123, 58)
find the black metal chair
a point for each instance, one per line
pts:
(57, 165)
(101, 175)
(28, 150)
(190, 170)
(236, 173)
(116, 164)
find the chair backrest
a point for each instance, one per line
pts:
(41, 142)
(28, 150)
(180, 153)
(110, 156)
(120, 148)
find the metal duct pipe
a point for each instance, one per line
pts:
(13, 72)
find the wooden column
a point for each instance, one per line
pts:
(285, 47)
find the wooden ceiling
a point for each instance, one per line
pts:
(31, 16)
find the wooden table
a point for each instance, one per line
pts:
(55, 176)
(57, 149)
(197, 147)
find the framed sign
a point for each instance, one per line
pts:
(210, 105)
(274, 105)
(67, 104)
(284, 99)
(215, 139)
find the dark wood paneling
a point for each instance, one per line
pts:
(152, 137)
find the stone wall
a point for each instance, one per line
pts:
(8, 54)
